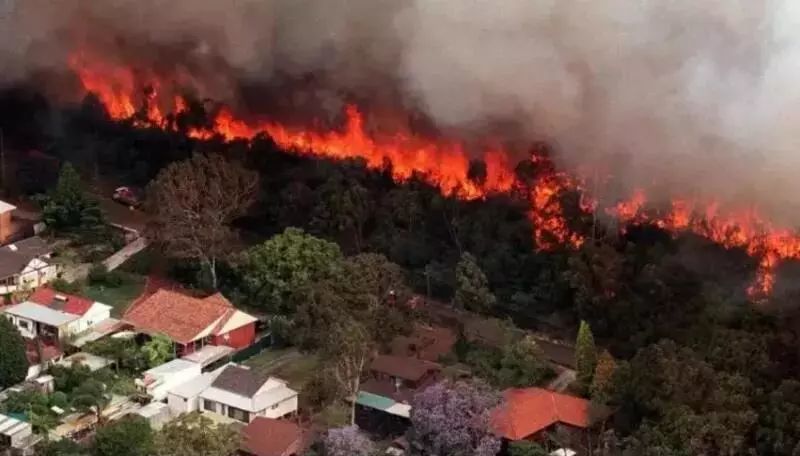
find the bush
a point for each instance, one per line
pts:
(100, 275)
(114, 279)
(60, 400)
(97, 274)
(66, 287)
(282, 330)
(141, 263)
(320, 391)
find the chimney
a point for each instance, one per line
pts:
(60, 298)
(5, 222)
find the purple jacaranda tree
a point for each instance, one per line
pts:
(452, 419)
(347, 441)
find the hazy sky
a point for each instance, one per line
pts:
(691, 97)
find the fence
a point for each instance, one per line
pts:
(253, 350)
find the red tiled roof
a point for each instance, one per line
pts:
(269, 437)
(74, 305)
(176, 315)
(528, 411)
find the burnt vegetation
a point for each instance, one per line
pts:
(702, 370)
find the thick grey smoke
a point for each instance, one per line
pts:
(691, 98)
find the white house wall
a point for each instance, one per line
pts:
(178, 404)
(281, 409)
(96, 314)
(35, 274)
(29, 333)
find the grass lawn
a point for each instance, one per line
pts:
(286, 363)
(118, 297)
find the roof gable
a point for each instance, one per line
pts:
(528, 411)
(15, 257)
(181, 317)
(71, 304)
(403, 367)
(238, 380)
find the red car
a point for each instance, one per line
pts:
(128, 196)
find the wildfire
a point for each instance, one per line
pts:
(746, 230)
(445, 164)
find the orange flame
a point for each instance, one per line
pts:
(445, 165)
(746, 230)
(441, 163)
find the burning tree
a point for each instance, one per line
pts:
(194, 202)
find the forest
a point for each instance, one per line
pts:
(700, 368)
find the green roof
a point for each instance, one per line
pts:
(19, 416)
(374, 401)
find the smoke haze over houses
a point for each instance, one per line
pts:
(684, 98)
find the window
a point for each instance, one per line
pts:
(23, 324)
(211, 406)
(238, 414)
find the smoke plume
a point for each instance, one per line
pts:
(684, 98)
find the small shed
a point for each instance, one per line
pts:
(184, 398)
(156, 413)
(15, 433)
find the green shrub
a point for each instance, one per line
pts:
(141, 263)
(114, 279)
(66, 287)
(59, 399)
(98, 274)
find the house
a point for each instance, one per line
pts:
(429, 343)
(239, 393)
(35, 321)
(192, 323)
(89, 312)
(25, 265)
(157, 381)
(16, 435)
(185, 397)
(393, 382)
(54, 316)
(271, 437)
(527, 413)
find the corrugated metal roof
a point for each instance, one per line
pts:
(373, 401)
(10, 426)
(40, 313)
(176, 365)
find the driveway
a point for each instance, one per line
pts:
(122, 255)
(124, 216)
